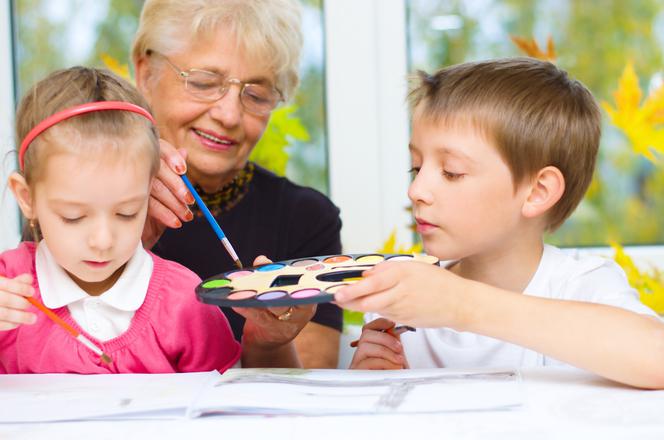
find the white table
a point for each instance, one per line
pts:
(559, 403)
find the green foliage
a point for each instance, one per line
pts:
(284, 127)
(627, 204)
(352, 318)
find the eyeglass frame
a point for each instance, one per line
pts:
(184, 75)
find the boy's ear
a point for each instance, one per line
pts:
(547, 187)
(21, 190)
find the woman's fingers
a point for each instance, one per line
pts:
(171, 191)
(159, 213)
(261, 259)
(302, 313)
(175, 159)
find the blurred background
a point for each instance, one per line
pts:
(339, 131)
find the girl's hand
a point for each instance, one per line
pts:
(276, 326)
(377, 349)
(13, 303)
(169, 196)
(413, 293)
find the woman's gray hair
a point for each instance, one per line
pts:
(267, 29)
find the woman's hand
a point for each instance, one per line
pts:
(272, 327)
(268, 333)
(377, 349)
(169, 195)
(13, 303)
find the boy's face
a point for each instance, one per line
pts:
(464, 201)
(92, 219)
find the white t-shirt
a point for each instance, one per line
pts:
(558, 276)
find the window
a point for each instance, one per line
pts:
(594, 43)
(50, 35)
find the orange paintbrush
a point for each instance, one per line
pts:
(71, 330)
(394, 331)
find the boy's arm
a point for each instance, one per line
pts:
(612, 342)
(621, 345)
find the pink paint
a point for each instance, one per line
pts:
(242, 294)
(318, 266)
(305, 293)
(238, 274)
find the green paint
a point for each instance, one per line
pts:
(216, 283)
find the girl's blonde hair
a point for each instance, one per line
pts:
(67, 88)
(268, 30)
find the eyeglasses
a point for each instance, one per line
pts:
(209, 86)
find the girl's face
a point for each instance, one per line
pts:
(92, 219)
(219, 135)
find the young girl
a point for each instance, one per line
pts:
(88, 155)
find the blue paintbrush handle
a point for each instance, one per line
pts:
(206, 212)
(212, 221)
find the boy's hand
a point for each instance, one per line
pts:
(13, 303)
(413, 293)
(378, 350)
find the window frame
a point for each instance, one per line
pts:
(10, 219)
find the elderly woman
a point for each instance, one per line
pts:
(212, 71)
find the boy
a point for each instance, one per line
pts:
(503, 151)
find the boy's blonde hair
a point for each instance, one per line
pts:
(533, 113)
(67, 88)
(268, 30)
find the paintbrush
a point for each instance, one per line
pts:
(213, 222)
(71, 330)
(394, 331)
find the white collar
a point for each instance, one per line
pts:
(58, 289)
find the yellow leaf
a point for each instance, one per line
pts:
(650, 286)
(640, 123)
(390, 246)
(114, 66)
(531, 48)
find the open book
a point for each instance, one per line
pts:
(57, 397)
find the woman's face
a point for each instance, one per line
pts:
(220, 135)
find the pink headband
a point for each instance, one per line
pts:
(88, 107)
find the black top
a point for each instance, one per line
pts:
(275, 218)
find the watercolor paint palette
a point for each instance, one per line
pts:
(288, 283)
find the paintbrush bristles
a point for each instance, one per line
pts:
(106, 359)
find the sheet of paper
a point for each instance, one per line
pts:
(56, 397)
(324, 392)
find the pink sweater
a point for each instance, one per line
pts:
(171, 332)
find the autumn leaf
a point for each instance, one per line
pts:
(284, 127)
(641, 123)
(390, 246)
(649, 285)
(531, 48)
(122, 70)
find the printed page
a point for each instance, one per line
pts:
(325, 392)
(59, 397)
